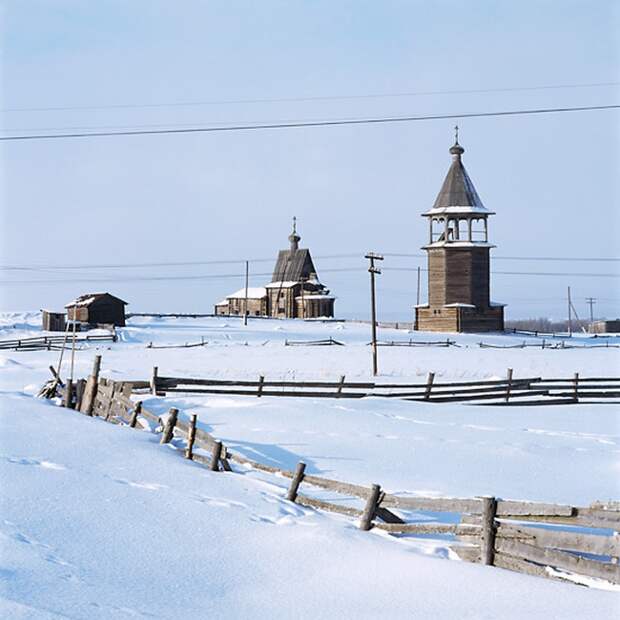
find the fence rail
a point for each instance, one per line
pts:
(537, 538)
(508, 391)
(52, 343)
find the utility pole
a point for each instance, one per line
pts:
(247, 277)
(591, 301)
(570, 306)
(372, 270)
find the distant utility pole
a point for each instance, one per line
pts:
(570, 306)
(372, 270)
(591, 301)
(247, 277)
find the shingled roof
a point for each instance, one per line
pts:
(457, 189)
(293, 265)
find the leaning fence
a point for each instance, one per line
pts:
(552, 540)
(52, 343)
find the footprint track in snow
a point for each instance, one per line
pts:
(26, 460)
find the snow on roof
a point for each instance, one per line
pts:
(283, 284)
(254, 292)
(456, 210)
(459, 305)
(313, 296)
(459, 244)
(88, 298)
(495, 304)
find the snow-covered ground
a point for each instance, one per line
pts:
(99, 521)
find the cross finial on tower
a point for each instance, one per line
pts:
(294, 224)
(456, 134)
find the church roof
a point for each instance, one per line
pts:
(457, 194)
(293, 265)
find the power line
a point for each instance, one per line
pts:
(307, 124)
(358, 269)
(177, 104)
(73, 267)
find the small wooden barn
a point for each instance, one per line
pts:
(97, 309)
(53, 321)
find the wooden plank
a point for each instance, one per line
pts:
(164, 382)
(299, 394)
(514, 508)
(340, 487)
(387, 515)
(583, 521)
(467, 553)
(560, 539)
(560, 559)
(430, 528)
(498, 396)
(316, 503)
(436, 504)
(437, 391)
(504, 560)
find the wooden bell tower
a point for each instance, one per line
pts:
(458, 258)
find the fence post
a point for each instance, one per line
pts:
(68, 395)
(137, 410)
(339, 390)
(487, 543)
(171, 422)
(80, 386)
(261, 380)
(298, 476)
(191, 437)
(370, 508)
(215, 456)
(509, 384)
(576, 387)
(429, 385)
(154, 381)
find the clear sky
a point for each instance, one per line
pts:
(552, 179)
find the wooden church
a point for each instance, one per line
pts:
(458, 258)
(294, 292)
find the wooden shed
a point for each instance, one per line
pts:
(97, 309)
(53, 321)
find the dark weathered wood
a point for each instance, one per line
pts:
(430, 528)
(436, 504)
(191, 436)
(296, 480)
(509, 562)
(429, 385)
(80, 386)
(371, 506)
(215, 456)
(467, 553)
(137, 410)
(387, 516)
(560, 539)
(154, 381)
(56, 376)
(508, 383)
(489, 509)
(560, 559)
(340, 386)
(335, 485)
(261, 381)
(67, 399)
(507, 508)
(171, 421)
(329, 506)
(576, 386)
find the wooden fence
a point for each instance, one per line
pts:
(52, 343)
(508, 391)
(550, 540)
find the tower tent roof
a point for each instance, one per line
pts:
(458, 189)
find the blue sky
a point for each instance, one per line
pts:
(552, 179)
